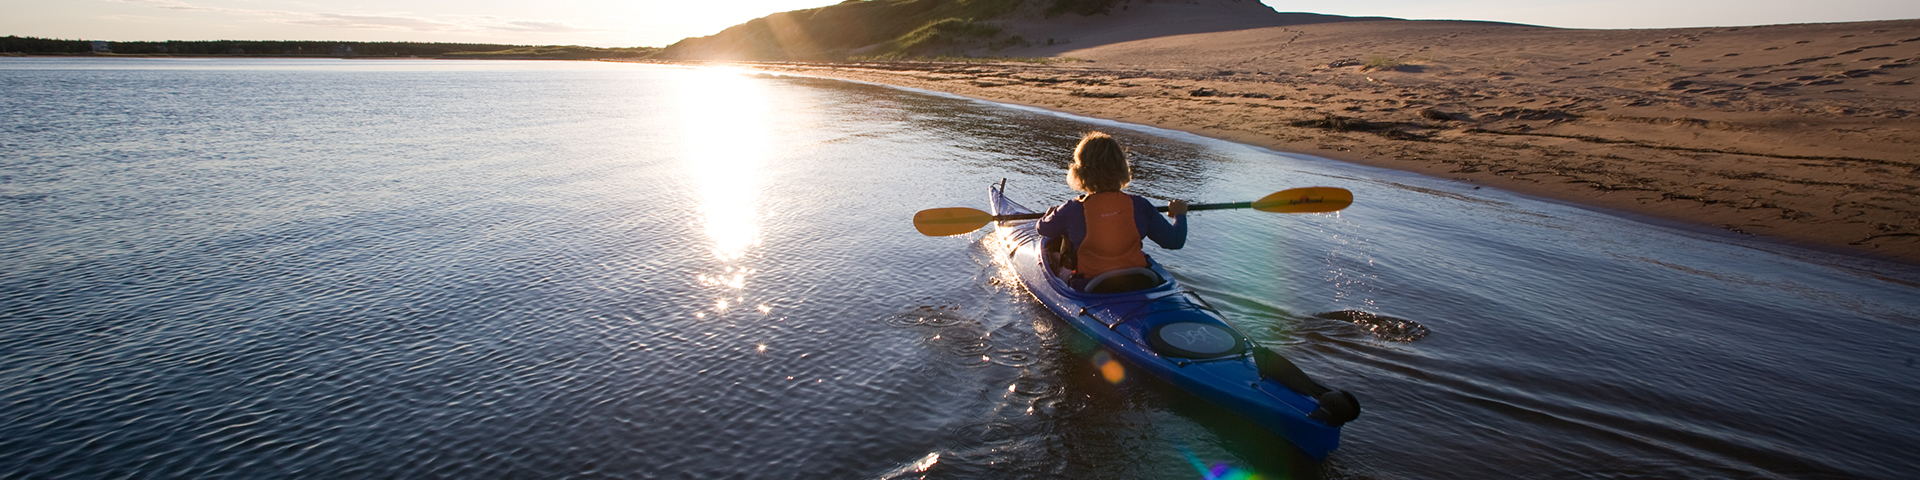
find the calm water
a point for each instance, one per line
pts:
(323, 268)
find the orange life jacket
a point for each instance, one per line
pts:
(1113, 241)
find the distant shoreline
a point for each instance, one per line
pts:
(32, 46)
(341, 57)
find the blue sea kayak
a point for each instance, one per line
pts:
(1165, 330)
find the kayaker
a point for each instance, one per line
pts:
(1105, 226)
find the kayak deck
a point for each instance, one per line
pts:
(1173, 334)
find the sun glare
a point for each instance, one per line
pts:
(724, 116)
(724, 120)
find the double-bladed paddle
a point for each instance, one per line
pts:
(941, 222)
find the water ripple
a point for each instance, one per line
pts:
(1383, 327)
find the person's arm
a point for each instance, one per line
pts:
(1062, 219)
(1170, 235)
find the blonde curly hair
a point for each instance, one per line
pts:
(1099, 165)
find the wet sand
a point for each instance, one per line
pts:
(1806, 134)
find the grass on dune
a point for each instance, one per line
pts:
(874, 29)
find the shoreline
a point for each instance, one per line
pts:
(1515, 149)
(296, 57)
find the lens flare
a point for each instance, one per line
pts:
(1110, 368)
(1219, 470)
(1225, 471)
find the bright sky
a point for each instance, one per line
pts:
(628, 23)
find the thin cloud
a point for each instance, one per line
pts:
(375, 22)
(471, 24)
(169, 4)
(542, 27)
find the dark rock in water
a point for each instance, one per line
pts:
(1340, 124)
(1386, 328)
(1435, 114)
(1405, 135)
(1530, 114)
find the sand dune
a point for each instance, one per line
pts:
(1129, 21)
(1801, 133)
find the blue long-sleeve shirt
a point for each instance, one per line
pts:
(1071, 219)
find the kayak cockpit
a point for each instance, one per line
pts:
(1125, 280)
(1145, 306)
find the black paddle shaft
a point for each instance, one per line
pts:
(1193, 207)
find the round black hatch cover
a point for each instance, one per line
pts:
(1195, 340)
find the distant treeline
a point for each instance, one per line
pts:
(32, 45)
(12, 44)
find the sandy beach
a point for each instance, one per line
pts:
(1804, 134)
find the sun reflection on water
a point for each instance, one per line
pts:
(1001, 248)
(724, 118)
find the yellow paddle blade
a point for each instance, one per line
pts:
(1305, 200)
(941, 222)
